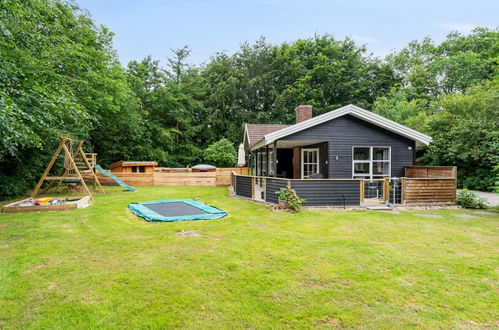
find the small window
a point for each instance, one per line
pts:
(142, 169)
(134, 169)
(371, 162)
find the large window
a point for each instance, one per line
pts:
(309, 162)
(371, 162)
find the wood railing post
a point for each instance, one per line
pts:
(402, 191)
(253, 184)
(386, 190)
(361, 184)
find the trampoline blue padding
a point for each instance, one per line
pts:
(171, 210)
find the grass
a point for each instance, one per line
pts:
(104, 267)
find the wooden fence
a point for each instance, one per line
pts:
(222, 177)
(429, 185)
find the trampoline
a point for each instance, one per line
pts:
(171, 210)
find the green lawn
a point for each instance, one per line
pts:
(104, 267)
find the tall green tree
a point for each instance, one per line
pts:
(427, 70)
(171, 100)
(465, 133)
(58, 76)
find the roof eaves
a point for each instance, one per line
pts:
(356, 111)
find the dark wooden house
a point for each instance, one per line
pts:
(347, 145)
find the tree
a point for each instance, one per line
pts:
(58, 76)
(221, 154)
(397, 107)
(465, 133)
(177, 64)
(427, 70)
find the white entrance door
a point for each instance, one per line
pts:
(309, 162)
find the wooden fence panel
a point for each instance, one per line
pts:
(432, 190)
(133, 179)
(430, 171)
(185, 179)
(222, 177)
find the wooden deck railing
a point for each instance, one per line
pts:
(436, 189)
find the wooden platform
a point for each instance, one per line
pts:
(76, 203)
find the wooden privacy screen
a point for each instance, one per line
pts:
(429, 184)
(430, 171)
(428, 191)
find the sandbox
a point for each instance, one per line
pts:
(66, 203)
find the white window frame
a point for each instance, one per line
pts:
(371, 161)
(303, 163)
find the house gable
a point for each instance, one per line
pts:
(362, 114)
(346, 132)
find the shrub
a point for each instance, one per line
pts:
(470, 200)
(282, 194)
(294, 202)
(221, 154)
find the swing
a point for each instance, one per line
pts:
(72, 173)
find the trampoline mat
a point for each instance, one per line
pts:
(174, 209)
(171, 210)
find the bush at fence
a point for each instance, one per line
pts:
(470, 200)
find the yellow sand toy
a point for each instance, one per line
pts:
(44, 200)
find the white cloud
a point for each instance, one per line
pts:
(459, 27)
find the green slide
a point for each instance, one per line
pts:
(114, 177)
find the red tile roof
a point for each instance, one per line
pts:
(256, 132)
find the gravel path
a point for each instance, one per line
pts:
(492, 198)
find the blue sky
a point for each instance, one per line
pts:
(153, 27)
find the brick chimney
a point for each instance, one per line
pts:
(303, 112)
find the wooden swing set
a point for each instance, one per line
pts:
(73, 172)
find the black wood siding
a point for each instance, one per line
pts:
(243, 186)
(347, 131)
(273, 186)
(328, 193)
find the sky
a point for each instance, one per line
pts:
(154, 27)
